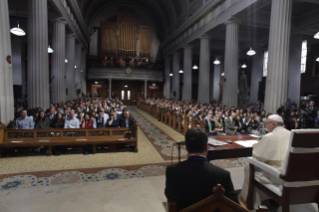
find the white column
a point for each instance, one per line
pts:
(58, 62)
(230, 86)
(294, 75)
(70, 70)
(110, 88)
(38, 58)
(83, 74)
(176, 69)
(167, 78)
(6, 86)
(187, 80)
(78, 64)
(216, 82)
(145, 88)
(279, 40)
(204, 70)
(23, 69)
(256, 74)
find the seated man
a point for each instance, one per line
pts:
(24, 122)
(72, 121)
(272, 150)
(127, 121)
(100, 121)
(230, 125)
(192, 180)
(210, 125)
(51, 116)
(241, 126)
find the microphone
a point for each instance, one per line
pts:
(181, 143)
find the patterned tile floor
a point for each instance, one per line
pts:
(156, 138)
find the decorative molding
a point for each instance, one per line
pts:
(119, 73)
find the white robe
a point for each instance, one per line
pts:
(272, 150)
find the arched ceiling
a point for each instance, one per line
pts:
(163, 13)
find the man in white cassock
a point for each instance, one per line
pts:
(272, 150)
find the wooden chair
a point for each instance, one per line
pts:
(214, 202)
(300, 175)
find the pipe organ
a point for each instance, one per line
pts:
(126, 37)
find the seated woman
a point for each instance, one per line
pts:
(219, 128)
(58, 122)
(199, 118)
(80, 117)
(87, 122)
(42, 122)
(113, 121)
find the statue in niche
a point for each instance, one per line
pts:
(243, 89)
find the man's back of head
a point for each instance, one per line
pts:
(196, 140)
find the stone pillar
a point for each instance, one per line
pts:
(167, 78)
(256, 74)
(230, 86)
(38, 58)
(78, 64)
(70, 70)
(6, 86)
(294, 74)
(23, 69)
(110, 88)
(16, 60)
(204, 70)
(176, 69)
(279, 40)
(187, 86)
(145, 88)
(216, 82)
(83, 74)
(58, 62)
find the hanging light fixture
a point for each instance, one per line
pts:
(50, 50)
(317, 59)
(216, 62)
(251, 52)
(81, 70)
(170, 74)
(195, 67)
(316, 36)
(181, 71)
(244, 66)
(223, 74)
(17, 30)
(66, 61)
(74, 66)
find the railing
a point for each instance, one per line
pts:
(63, 137)
(179, 122)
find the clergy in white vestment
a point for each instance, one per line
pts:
(272, 150)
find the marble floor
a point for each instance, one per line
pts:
(123, 195)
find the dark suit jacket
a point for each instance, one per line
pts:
(207, 127)
(193, 180)
(131, 122)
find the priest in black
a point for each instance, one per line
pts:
(193, 180)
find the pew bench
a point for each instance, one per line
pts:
(67, 137)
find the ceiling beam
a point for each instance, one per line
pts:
(310, 1)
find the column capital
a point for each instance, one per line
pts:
(59, 20)
(232, 21)
(204, 37)
(188, 47)
(71, 36)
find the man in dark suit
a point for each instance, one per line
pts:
(192, 180)
(230, 125)
(127, 120)
(210, 126)
(51, 116)
(241, 126)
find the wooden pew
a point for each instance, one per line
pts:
(217, 201)
(186, 124)
(179, 123)
(203, 125)
(67, 137)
